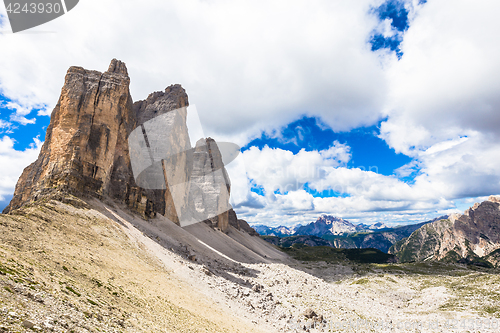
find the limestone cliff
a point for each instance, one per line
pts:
(470, 237)
(85, 137)
(86, 149)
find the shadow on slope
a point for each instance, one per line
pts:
(216, 252)
(66, 267)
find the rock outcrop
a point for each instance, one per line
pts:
(468, 238)
(85, 138)
(380, 240)
(240, 224)
(209, 185)
(86, 149)
(327, 225)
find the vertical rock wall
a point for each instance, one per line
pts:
(86, 149)
(91, 117)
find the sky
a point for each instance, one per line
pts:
(370, 110)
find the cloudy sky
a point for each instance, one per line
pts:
(370, 110)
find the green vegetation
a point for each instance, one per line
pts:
(361, 281)
(451, 256)
(329, 254)
(98, 283)
(92, 302)
(73, 291)
(492, 310)
(4, 270)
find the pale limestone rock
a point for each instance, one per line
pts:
(472, 235)
(86, 151)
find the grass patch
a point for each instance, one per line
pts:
(92, 302)
(332, 255)
(8, 289)
(97, 282)
(73, 291)
(6, 270)
(361, 281)
(492, 310)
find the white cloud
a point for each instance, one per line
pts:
(13, 162)
(256, 69)
(280, 170)
(447, 83)
(444, 99)
(468, 169)
(352, 192)
(5, 127)
(20, 113)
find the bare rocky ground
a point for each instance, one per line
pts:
(74, 267)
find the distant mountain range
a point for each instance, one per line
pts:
(339, 233)
(470, 238)
(325, 225)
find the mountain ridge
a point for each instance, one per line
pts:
(469, 237)
(325, 225)
(86, 151)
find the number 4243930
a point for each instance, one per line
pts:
(32, 8)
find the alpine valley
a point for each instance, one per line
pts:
(87, 247)
(339, 233)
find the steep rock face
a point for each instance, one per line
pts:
(164, 139)
(87, 127)
(240, 224)
(212, 184)
(86, 149)
(160, 102)
(327, 225)
(471, 236)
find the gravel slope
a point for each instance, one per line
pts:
(96, 267)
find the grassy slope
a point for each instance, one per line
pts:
(332, 255)
(70, 268)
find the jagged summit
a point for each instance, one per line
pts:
(117, 67)
(326, 225)
(85, 140)
(469, 237)
(494, 198)
(86, 149)
(160, 102)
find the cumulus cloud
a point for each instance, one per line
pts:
(468, 168)
(256, 69)
(443, 103)
(310, 183)
(280, 170)
(13, 162)
(447, 84)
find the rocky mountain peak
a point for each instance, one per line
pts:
(86, 134)
(117, 67)
(326, 225)
(87, 153)
(494, 198)
(470, 236)
(159, 102)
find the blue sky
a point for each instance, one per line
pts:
(374, 111)
(24, 127)
(368, 151)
